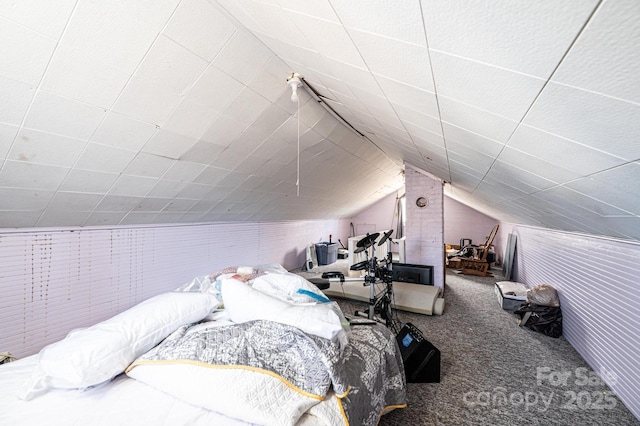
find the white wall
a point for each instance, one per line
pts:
(55, 280)
(461, 221)
(379, 216)
(597, 281)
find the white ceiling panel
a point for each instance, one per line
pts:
(179, 205)
(7, 135)
(202, 152)
(215, 89)
(117, 203)
(152, 204)
(353, 77)
(104, 158)
(394, 59)
(149, 165)
(419, 133)
(195, 191)
(200, 27)
(74, 202)
(20, 174)
(242, 57)
(16, 40)
(268, 82)
(73, 74)
(46, 148)
(64, 116)
(168, 144)
(476, 120)
(138, 218)
(184, 171)
(118, 32)
(399, 20)
(165, 188)
(66, 217)
(552, 172)
(19, 199)
(319, 9)
(123, 132)
(605, 58)
(474, 141)
(461, 155)
(409, 116)
(164, 76)
(516, 177)
(223, 131)
(528, 37)
(98, 218)
(563, 196)
(603, 123)
(42, 16)
(246, 107)
(617, 187)
(276, 22)
(132, 186)
(497, 90)
(190, 119)
(17, 97)
(411, 97)
(88, 181)
(561, 152)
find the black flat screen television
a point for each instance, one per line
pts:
(410, 273)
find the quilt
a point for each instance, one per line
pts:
(273, 373)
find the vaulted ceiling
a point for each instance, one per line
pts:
(165, 111)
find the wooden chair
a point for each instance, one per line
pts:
(479, 265)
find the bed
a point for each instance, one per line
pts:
(240, 346)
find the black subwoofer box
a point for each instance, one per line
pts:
(421, 359)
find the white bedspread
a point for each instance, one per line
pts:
(126, 401)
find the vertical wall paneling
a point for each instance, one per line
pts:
(597, 281)
(424, 233)
(56, 280)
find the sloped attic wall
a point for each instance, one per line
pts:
(528, 109)
(125, 112)
(161, 112)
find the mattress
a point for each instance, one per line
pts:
(128, 402)
(279, 353)
(510, 294)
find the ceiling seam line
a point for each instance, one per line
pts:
(435, 92)
(546, 83)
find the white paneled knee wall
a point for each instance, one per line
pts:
(55, 280)
(598, 284)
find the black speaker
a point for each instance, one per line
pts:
(421, 359)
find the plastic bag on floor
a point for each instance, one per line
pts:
(543, 319)
(543, 295)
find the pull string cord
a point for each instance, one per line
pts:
(298, 177)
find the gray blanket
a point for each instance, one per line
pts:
(368, 376)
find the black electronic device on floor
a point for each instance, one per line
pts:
(421, 359)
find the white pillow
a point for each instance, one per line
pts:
(244, 303)
(90, 356)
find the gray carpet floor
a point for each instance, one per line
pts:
(494, 372)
